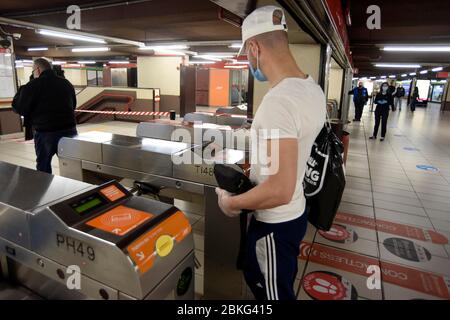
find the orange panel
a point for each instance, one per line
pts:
(120, 220)
(219, 87)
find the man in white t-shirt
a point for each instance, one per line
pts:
(287, 121)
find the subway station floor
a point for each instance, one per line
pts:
(391, 236)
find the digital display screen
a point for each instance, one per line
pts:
(91, 202)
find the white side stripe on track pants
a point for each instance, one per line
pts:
(267, 261)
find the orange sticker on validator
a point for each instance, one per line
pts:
(112, 193)
(144, 250)
(120, 220)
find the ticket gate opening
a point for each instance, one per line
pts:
(66, 239)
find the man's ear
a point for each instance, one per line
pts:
(253, 47)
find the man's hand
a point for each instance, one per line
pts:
(224, 199)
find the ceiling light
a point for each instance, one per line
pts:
(119, 62)
(418, 48)
(58, 63)
(424, 72)
(235, 67)
(90, 49)
(72, 65)
(86, 62)
(393, 65)
(205, 57)
(222, 55)
(165, 47)
(38, 49)
(412, 74)
(392, 76)
(383, 77)
(404, 75)
(355, 79)
(235, 46)
(437, 69)
(65, 35)
(373, 78)
(201, 62)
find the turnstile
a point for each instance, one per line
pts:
(175, 170)
(66, 239)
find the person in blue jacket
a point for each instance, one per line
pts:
(360, 98)
(383, 100)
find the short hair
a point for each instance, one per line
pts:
(43, 64)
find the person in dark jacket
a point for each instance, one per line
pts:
(414, 98)
(48, 102)
(398, 96)
(391, 91)
(383, 100)
(360, 98)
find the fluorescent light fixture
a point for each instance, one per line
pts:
(201, 62)
(165, 47)
(355, 78)
(418, 48)
(383, 77)
(58, 63)
(394, 65)
(373, 78)
(392, 76)
(98, 49)
(71, 36)
(86, 62)
(222, 55)
(119, 62)
(404, 75)
(437, 69)
(205, 57)
(72, 65)
(235, 46)
(23, 61)
(424, 72)
(413, 74)
(235, 67)
(169, 52)
(38, 49)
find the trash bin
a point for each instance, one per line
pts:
(337, 125)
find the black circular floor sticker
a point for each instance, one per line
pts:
(325, 285)
(340, 233)
(407, 249)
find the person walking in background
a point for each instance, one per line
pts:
(398, 96)
(360, 97)
(383, 100)
(414, 98)
(49, 103)
(391, 92)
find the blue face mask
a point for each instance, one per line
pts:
(258, 74)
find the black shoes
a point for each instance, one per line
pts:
(382, 139)
(372, 138)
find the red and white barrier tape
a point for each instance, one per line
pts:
(128, 113)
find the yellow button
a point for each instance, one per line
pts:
(164, 245)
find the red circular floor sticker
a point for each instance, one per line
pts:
(325, 285)
(340, 233)
(407, 249)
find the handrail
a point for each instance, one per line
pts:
(101, 96)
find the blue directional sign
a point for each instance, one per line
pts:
(427, 168)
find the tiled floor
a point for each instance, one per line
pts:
(394, 215)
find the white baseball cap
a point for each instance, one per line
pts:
(261, 21)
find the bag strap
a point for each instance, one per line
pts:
(327, 120)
